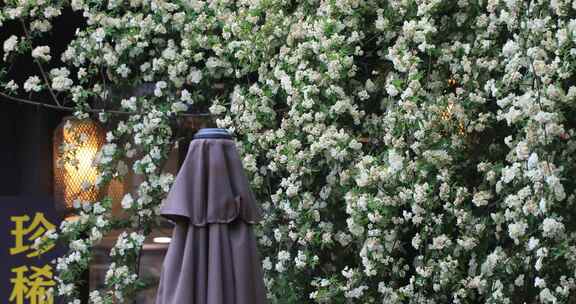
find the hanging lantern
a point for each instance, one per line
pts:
(75, 145)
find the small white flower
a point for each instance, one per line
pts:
(127, 201)
(481, 198)
(416, 241)
(42, 52)
(532, 161)
(440, 242)
(60, 80)
(129, 104)
(391, 90)
(179, 107)
(519, 280)
(77, 203)
(123, 70)
(266, 264)
(11, 86)
(160, 85)
(533, 243)
(10, 45)
(186, 97)
(50, 12)
(546, 296)
(539, 282)
(99, 34)
(551, 227)
(283, 255)
(109, 149)
(522, 150)
(195, 76)
(32, 84)
(517, 230)
(395, 160)
(542, 205)
(101, 221)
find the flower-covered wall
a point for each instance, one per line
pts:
(405, 151)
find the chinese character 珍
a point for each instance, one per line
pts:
(32, 231)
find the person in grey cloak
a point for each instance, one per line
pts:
(213, 256)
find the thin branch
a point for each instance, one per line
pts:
(42, 72)
(64, 108)
(101, 70)
(26, 101)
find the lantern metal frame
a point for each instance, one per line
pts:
(76, 144)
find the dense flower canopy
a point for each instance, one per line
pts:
(405, 151)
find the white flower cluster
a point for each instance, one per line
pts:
(119, 276)
(403, 151)
(60, 80)
(94, 215)
(10, 45)
(127, 242)
(42, 52)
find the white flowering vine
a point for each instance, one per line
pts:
(405, 151)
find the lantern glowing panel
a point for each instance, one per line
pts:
(76, 143)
